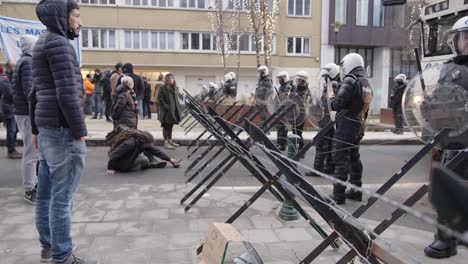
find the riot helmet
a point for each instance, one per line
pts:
(458, 37)
(283, 77)
(349, 63)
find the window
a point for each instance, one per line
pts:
(435, 34)
(237, 4)
(136, 39)
(193, 4)
(299, 7)
(151, 3)
(362, 12)
(98, 38)
(162, 40)
(340, 11)
(206, 41)
(378, 16)
(398, 17)
(97, 2)
(84, 38)
(246, 43)
(198, 41)
(366, 53)
(403, 61)
(128, 39)
(298, 46)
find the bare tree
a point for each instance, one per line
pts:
(254, 25)
(217, 24)
(263, 16)
(269, 10)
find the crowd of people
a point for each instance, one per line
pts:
(45, 98)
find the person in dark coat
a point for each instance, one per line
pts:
(125, 110)
(9, 121)
(355, 95)
(169, 109)
(58, 116)
(263, 92)
(323, 151)
(98, 81)
(133, 150)
(284, 91)
(106, 96)
(454, 73)
(395, 102)
(22, 85)
(139, 87)
(147, 98)
(301, 96)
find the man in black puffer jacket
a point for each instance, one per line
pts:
(6, 95)
(22, 85)
(355, 96)
(59, 116)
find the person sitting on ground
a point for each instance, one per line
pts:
(125, 110)
(133, 150)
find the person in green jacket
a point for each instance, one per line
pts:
(169, 109)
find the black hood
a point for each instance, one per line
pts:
(54, 15)
(127, 68)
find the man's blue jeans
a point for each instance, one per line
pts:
(98, 107)
(140, 108)
(10, 125)
(58, 177)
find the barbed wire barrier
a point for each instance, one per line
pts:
(345, 225)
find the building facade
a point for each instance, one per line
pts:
(159, 36)
(377, 33)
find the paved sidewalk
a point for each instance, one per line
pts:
(97, 130)
(130, 224)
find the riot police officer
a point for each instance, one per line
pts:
(301, 97)
(263, 92)
(355, 96)
(395, 102)
(212, 90)
(323, 156)
(284, 92)
(454, 71)
(230, 85)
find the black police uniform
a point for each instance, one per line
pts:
(263, 93)
(323, 157)
(454, 71)
(395, 103)
(301, 95)
(284, 93)
(349, 132)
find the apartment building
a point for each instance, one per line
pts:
(376, 32)
(177, 36)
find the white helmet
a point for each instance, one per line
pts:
(213, 85)
(263, 70)
(331, 70)
(349, 63)
(284, 75)
(458, 37)
(227, 77)
(400, 77)
(301, 76)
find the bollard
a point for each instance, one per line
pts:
(288, 212)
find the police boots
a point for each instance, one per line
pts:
(443, 246)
